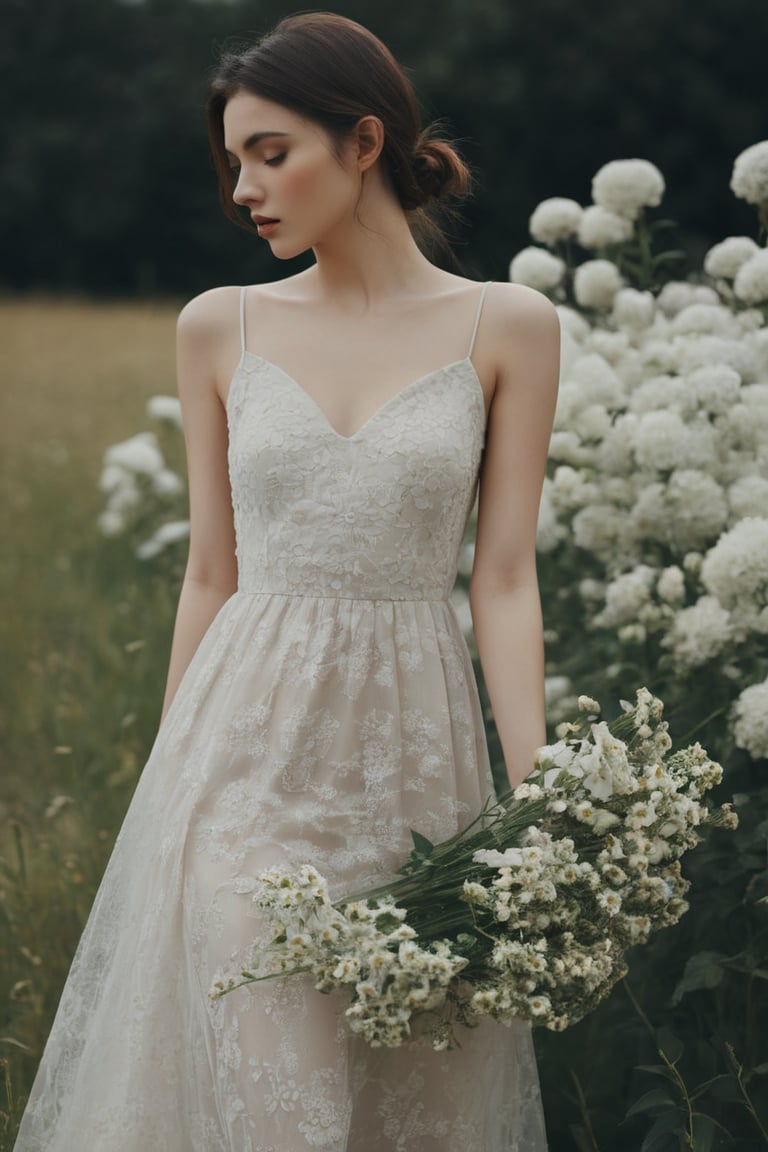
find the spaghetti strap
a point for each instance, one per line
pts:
(243, 291)
(477, 319)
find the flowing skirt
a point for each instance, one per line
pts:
(305, 730)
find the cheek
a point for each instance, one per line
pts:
(319, 182)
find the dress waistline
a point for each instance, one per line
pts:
(343, 596)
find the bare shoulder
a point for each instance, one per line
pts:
(209, 313)
(208, 341)
(520, 315)
(522, 343)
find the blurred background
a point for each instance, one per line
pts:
(105, 184)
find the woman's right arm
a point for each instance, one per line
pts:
(204, 355)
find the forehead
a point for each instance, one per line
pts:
(246, 114)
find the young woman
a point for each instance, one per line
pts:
(321, 700)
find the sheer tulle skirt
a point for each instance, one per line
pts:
(305, 729)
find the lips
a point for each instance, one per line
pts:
(259, 220)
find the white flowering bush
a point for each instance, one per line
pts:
(529, 912)
(653, 560)
(146, 498)
(657, 491)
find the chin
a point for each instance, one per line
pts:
(288, 251)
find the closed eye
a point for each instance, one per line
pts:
(274, 161)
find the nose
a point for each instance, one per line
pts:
(246, 191)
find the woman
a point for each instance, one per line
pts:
(320, 697)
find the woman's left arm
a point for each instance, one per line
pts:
(504, 593)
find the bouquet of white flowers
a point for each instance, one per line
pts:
(526, 913)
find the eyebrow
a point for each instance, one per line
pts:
(254, 139)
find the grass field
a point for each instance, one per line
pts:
(85, 636)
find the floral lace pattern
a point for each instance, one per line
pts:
(330, 708)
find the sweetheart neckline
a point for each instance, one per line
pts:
(465, 360)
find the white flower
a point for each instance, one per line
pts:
(749, 180)
(627, 186)
(537, 268)
(609, 901)
(699, 633)
(555, 687)
(664, 441)
(678, 294)
(670, 586)
(555, 219)
(751, 283)
(111, 478)
(140, 454)
(164, 408)
(748, 496)
(166, 483)
(539, 1005)
(602, 820)
(170, 533)
(659, 392)
(696, 351)
(724, 259)
(572, 323)
(511, 857)
(716, 387)
(596, 283)
(592, 423)
(549, 530)
(708, 319)
(612, 346)
(750, 727)
(736, 569)
(687, 512)
(111, 522)
(598, 528)
(632, 309)
(626, 596)
(600, 228)
(126, 497)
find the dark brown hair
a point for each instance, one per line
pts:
(333, 71)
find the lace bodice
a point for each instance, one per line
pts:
(376, 515)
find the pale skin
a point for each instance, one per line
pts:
(331, 328)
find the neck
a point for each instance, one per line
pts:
(371, 256)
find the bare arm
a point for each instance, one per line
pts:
(504, 594)
(204, 339)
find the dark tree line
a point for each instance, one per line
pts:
(105, 182)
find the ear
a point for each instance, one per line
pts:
(369, 141)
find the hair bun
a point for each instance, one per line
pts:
(437, 169)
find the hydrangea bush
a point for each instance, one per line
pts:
(653, 543)
(657, 492)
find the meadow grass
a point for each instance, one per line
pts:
(85, 637)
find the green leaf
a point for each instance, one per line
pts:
(671, 1123)
(723, 1087)
(702, 970)
(703, 1132)
(656, 1070)
(422, 846)
(651, 1101)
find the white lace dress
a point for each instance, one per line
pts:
(330, 708)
